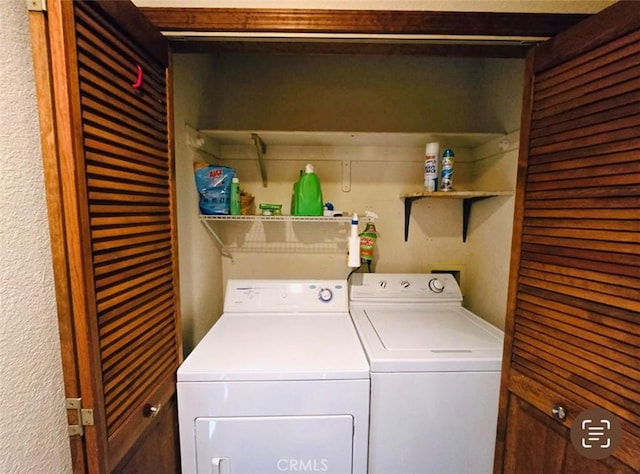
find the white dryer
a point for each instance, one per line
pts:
(435, 375)
(279, 384)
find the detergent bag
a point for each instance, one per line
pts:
(214, 187)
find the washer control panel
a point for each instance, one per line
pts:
(286, 296)
(422, 287)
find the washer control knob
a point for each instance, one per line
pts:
(405, 284)
(325, 295)
(435, 285)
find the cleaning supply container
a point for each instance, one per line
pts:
(353, 251)
(308, 194)
(234, 202)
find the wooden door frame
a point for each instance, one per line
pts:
(41, 50)
(592, 33)
(57, 82)
(60, 115)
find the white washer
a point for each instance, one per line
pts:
(435, 375)
(279, 384)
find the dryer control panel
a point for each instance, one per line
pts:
(405, 287)
(286, 296)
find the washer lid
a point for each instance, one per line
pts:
(277, 347)
(443, 338)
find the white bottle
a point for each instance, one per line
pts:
(431, 167)
(353, 257)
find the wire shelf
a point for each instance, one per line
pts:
(278, 234)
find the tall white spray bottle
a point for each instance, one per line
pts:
(353, 258)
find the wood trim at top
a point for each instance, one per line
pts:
(359, 21)
(403, 48)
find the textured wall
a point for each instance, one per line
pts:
(32, 417)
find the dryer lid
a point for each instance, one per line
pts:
(251, 347)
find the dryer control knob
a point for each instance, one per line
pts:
(435, 285)
(325, 295)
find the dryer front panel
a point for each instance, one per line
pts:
(274, 444)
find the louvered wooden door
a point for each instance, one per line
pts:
(116, 183)
(573, 328)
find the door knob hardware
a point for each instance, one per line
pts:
(151, 411)
(559, 412)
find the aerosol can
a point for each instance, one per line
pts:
(431, 167)
(446, 178)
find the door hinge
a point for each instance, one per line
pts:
(82, 416)
(37, 5)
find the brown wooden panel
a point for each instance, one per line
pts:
(358, 21)
(112, 339)
(582, 233)
(157, 450)
(125, 130)
(575, 296)
(107, 135)
(571, 386)
(130, 218)
(112, 258)
(97, 99)
(112, 59)
(605, 376)
(612, 107)
(117, 162)
(611, 198)
(586, 337)
(125, 439)
(588, 244)
(114, 296)
(577, 71)
(607, 316)
(587, 124)
(629, 225)
(535, 443)
(569, 269)
(117, 152)
(142, 103)
(626, 135)
(601, 167)
(605, 93)
(574, 96)
(580, 152)
(131, 309)
(621, 266)
(129, 45)
(541, 398)
(591, 126)
(591, 283)
(607, 27)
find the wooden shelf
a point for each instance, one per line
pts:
(350, 139)
(467, 197)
